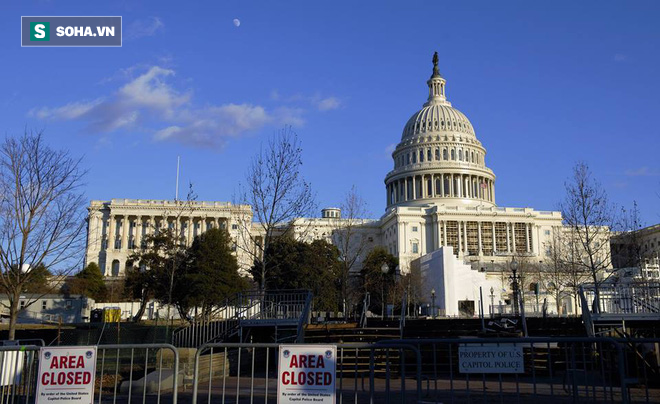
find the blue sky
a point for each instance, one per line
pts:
(545, 84)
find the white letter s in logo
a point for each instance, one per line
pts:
(39, 31)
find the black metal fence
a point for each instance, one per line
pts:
(539, 370)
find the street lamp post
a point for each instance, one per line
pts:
(384, 269)
(492, 301)
(514, 285)
(433, 303)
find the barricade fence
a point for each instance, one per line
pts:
(364, 373)
(476, 370)
(145, 373)
(642, 370)
(553, 370)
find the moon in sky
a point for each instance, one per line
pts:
(237, 22)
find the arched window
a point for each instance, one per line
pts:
(472, 153)
(421, 156)
(460, 155)
(437, 153)
(444, 154)
(429, 157)
(414, 158)
(408, 158)
(453, 154)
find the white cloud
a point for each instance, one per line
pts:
(620, 57)
(390, 149)
(150, 103)
(150, 91)
(643, 172)
(141, 28)
(289, 116)
(316, 100)
(69, 111)
(328, 104)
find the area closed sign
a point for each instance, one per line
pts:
(306, 374)
(66, 375)
(491, 359)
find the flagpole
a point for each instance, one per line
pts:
(176, 192)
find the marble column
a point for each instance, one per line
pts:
(436, 241)
(465, 237)
(152, 225)
(492, 192)
(442, 185)
(111, 232)
(513, 236)
(414, 185)
(527, 231)
(124, 233)
(494, 241)
(422, 238)
(479, 236)
(460, 241)
(138, 232)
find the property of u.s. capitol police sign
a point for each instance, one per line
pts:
(71, 31)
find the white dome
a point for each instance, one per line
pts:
(439, 158)
(437, 118)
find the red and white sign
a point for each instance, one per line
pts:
(66, 375)
(306, 374)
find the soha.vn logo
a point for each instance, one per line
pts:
(39, 31)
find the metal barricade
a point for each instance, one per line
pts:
(554, 370)
(124, 373)
(227, 372)
(18, 370)
(550, 370)
(137, 373)
(642, 366)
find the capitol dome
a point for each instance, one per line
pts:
(439, 158)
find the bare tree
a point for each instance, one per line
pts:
(42, 216)
(352, 242)
(627, 244)
(561, 273)
(588, 212)
(278, 195)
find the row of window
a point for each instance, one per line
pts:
(430, 154)
(429, 125)
(131, 241)
(44, 304)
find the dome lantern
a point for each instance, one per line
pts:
(436, 86)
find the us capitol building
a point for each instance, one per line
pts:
(441, 213)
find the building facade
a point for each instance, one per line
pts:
(440, 192)
(49, 308)
(440, 196)
(117, 228)
(638, 252)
